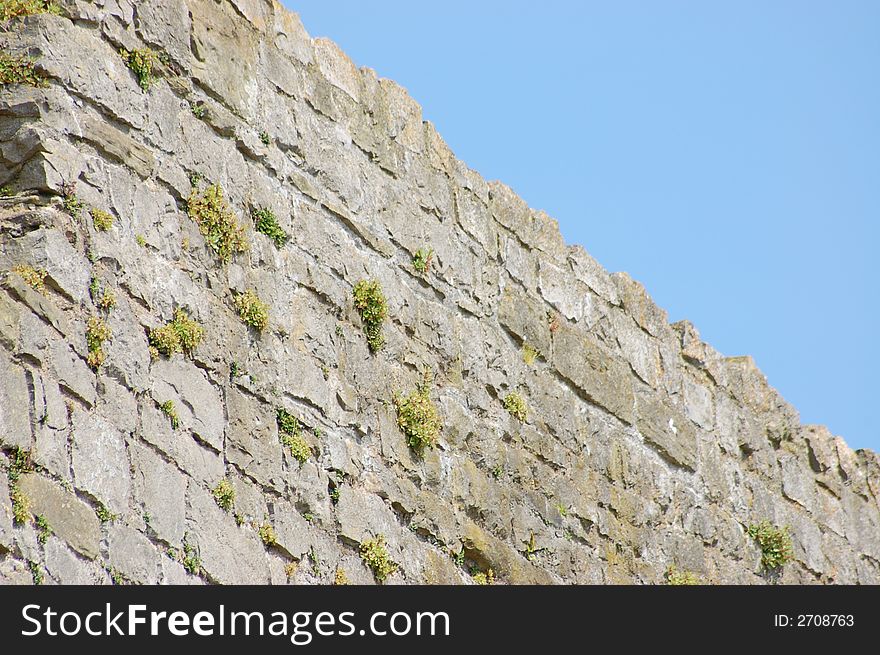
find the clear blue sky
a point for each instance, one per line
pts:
(725, 154)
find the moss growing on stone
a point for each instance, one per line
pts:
(290, 435)
(340, 579)
(774, 542)
(217, 222)
(224, 494)
(141, 240)
(375, 555)
(265, 138)
(182, 334)
(422, 260)
(417, 416)
(19, 70)
(97, 332)
(516, 406)
(70, 201)
(141, 61)
(170, 411)
(675, 577)
(102, 220)
(370, 303)
(44, 530)
(252, 310)
(10, 9)
(266, 223)
(33, 277)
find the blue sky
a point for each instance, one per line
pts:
(725, 154)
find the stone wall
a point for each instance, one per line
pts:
(643, 448)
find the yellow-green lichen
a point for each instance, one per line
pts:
(530, 354)
(676, 577)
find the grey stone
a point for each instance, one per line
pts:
(667, 430)
(100, 461)
(64, 567)
(132, 555)
(196, 400)
(71, 519)
(15, 419)
(643, 447)
(161, 490)
(230, 554)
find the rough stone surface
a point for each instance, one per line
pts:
(642, 447)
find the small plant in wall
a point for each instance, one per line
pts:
(417, 415)
(70, 201)
(102, 220)
(97, 332)
(266, 223)
(20, 70)
(170, 411)
(44, 530)
(267, 534)
(224, 494)
(290, 435)
(182, 334)
(10, 9)
(370, 303)
(774, 542)
(141, 61)
(375, 555)
(422, 260)
(484, 577)
(252, 310)
(216, 220)
(516, 406)
(675, 577)
(33, 277)
(530, 354)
